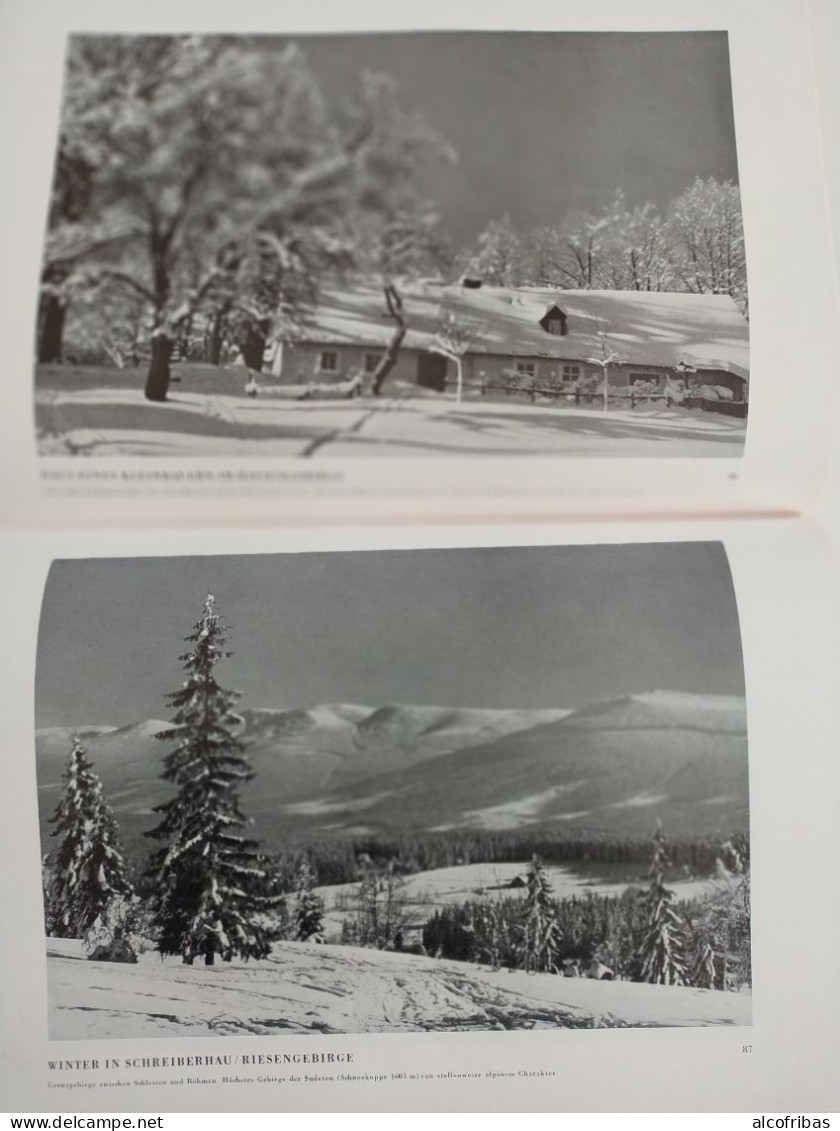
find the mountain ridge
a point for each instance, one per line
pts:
(321, 770)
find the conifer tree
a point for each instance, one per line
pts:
(540, 932)
(702, 972)
(309, 909)
(209, 883)
(660, 952)
(86, 871)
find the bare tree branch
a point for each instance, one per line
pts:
(128, 280)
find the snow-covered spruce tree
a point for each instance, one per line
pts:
(208, 882)
(660, 951)
(719, 932)
(86, 871)
(702, 964)
(309, 907)
(540, 934)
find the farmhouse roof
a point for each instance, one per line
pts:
(642, 327)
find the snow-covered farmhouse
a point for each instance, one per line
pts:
(508, 337)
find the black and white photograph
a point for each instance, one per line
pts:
(394, 791)
(396, 245)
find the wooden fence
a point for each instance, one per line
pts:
(627, 395)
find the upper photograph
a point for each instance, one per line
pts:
(395, 245)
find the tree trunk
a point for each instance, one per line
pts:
(157, 381)
(459, 372)
(389, 357)
(209, 957)
(253, 349)
(214, 347)
(183, 341)
(52, 330)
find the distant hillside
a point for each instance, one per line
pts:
(335, 768)
(618, 765)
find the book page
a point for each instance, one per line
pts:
(509, 815)
(533, 262)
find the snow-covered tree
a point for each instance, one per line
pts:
(86, 871)
(540, 935)
(185, 147)
(707, 247)
(660, 952)
(117, 934)
(718, 938)
(585, 242)
(455, 337)
(606, 357)
(500, 256)
(382, 910)
(232, 176)
(208, 882)
(309, 907)
(702, 971)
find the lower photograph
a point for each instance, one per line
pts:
(438, 790)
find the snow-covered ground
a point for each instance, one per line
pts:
(120, 422)
(424, 892)
(306, 988)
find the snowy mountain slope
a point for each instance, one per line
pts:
(620, 764)
(654, 709)
(337, 768)
(57, 741)
(299, 755)
(127, 759)
(306, 988)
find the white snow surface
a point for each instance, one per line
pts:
(308, 988)
(190, 424)
(428, 891)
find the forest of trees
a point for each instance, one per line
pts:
(205, 187)
(697, 246)
(337, 858)
(643, 935)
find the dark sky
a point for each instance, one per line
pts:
(544, 122)
(511, 627)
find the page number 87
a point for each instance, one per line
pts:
(746, 1048)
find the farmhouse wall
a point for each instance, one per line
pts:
(738, 387)
(301, 363)
(497, 369)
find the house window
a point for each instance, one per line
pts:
(371, 362)
(328, 362)
(526, 369)
(554, 322)
(571, 372)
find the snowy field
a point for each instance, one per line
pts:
(104, 421)
(425, 892)
(306, 988)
